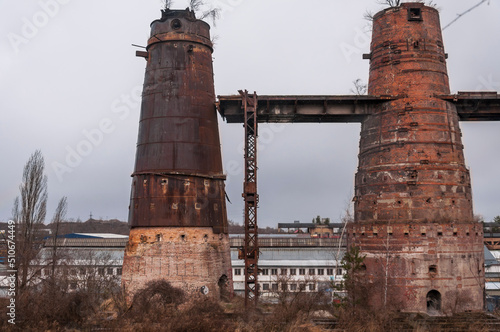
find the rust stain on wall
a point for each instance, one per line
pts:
(177, 208)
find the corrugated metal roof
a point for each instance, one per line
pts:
(295, 254)
(289, 263)
(103, 235)
(88, 242)
(489, 259)
(492, 285)
(289, 242)
(75, 256)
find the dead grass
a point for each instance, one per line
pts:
(161, 307)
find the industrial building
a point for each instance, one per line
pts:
(291, 264)
(288, 263)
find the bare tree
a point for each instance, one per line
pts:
(391, 3)
(213, 14)
(360, 88)
(167, 4)
(29, 213)
(459, 16)
(59, 216)
(196, 5)
(368, 15)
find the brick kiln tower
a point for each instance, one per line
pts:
(177, 210)
(413, 203)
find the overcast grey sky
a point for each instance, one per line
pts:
(70, 82)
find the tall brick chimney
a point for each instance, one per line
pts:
(177, 209)
(413, 202)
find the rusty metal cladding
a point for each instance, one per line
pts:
(177, 210)
(178, 178)
(413, 201)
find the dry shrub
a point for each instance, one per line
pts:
(158, 298)
(50, 308)
(204, 314)
(161, 307)
(363, 319)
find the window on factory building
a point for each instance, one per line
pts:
(274, 272)
(293, 272)
(284, 286)
(237, 272)
(312, 287)
(265, 272)
(339, 271)
(323, 286)
(265, 287)
(100, 271)
(302, 272)
(329, 272)
(110, 271)
(284, 272)
(293, 287)
(321, 272)
(119, 271)
(312, 272)
(274, 287)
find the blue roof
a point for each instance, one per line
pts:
(90, 236)
(489, 259)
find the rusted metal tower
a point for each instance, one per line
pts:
(413, 204)
(251, 249)
(177, 209)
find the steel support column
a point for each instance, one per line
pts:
(251, 249)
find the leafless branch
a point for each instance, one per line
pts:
(214, 40)
(167, 4)
(368, 15)
(195, 5)
(391, 3)
(360, 88)
(459, 16)
(213, 14)
(59, 216)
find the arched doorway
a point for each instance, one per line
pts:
(433, 302)
(223, 287)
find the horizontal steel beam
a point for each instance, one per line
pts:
(476, 106)
(302, 109)
(471, 106)
(309, 225)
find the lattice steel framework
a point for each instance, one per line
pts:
(251, 249)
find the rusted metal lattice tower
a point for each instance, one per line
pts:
(251, 249)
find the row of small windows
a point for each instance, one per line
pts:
(292, 272)
(292, 287)
(102, 271)
(455, 233)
